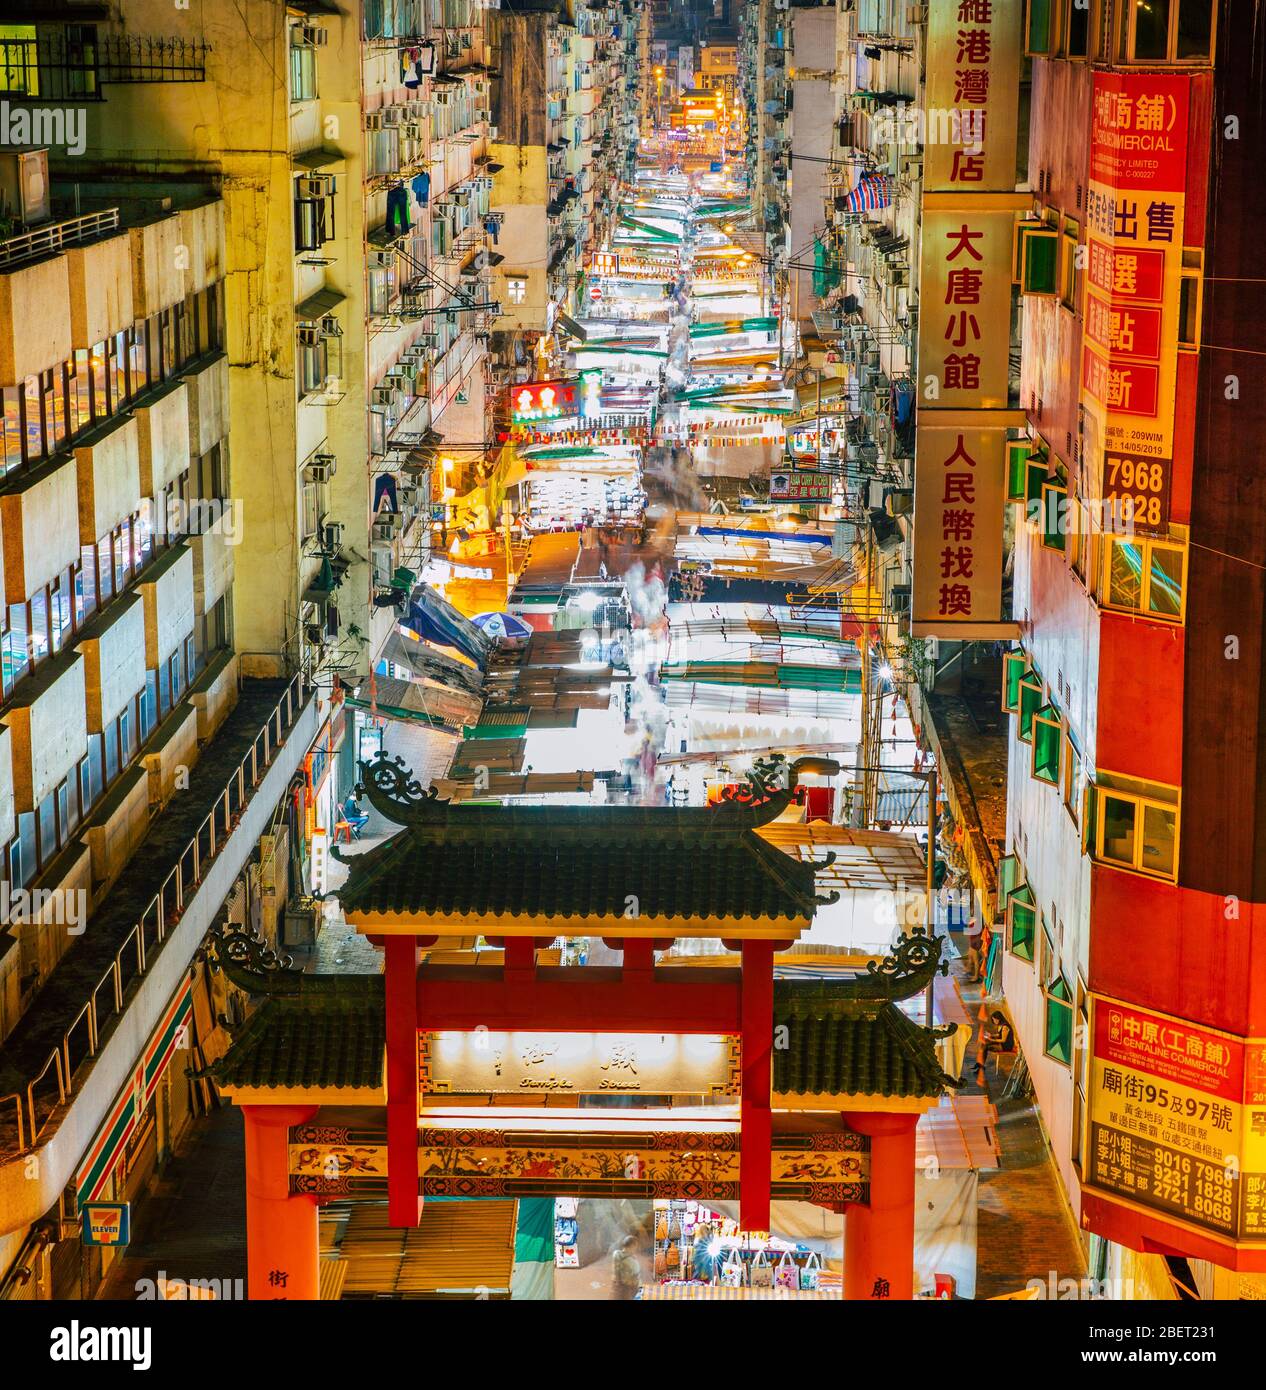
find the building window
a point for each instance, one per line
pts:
(382, 287)
(1015, 666)
(1068, 270)
(1081, 1074)
(1058, 1042)
(1054, 515)
(314, 211)
(1038, 259)
(1076, 28)
(1048, 744)
(1072, 777)
(1191, 296)
(303, 71)
(1133, 824)
(1167, 31)
(1021, 923)
(149, 706)
(1146, 577)
(138, 355)
(1031, 700)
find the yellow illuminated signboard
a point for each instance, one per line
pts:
(482, 1063)
(965, 308)
(959, 496)
(1178, 1119)
(972, 95)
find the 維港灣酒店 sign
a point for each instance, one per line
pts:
(1177, 1119)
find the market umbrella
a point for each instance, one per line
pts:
(502, 625)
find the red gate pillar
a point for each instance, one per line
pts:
(282, 1247)
(879, 1238)
(755, 1118)
(404, 1207)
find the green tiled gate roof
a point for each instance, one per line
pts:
(331, 1032)
(590, 861)
(842, 1045)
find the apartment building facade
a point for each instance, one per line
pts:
(1134, 926)
(139, 767)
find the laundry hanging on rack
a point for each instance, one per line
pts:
(397, 206)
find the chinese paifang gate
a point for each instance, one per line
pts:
(817, 1084)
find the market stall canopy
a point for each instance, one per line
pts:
(428, 663)
(502, 625)
(413, 702)
(432, 617)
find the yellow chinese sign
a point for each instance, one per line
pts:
(482, 1063)
(1133, 279)
(973, 87)
(965, 308)
(1178, 1119)
(965, 296)
(959, 496)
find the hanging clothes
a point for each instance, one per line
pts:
(422, 189)
(397, 206)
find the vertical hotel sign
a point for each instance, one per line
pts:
(1134, 207)
(965, 266)
(1178, 1120)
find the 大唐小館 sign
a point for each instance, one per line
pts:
(484, 1063)
(1178, 1119)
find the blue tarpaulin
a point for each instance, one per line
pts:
(434, 619)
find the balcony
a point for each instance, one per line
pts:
(54, 67)
(142, 937)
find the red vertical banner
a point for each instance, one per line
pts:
(1133, 288)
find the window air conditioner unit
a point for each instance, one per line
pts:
(493, 133)
(315, 633)
(314, 186)
(330, 327)
(391, 115)
(319, 469)
(309, 335)
(383, 531)
(381, 260)
(373, 120)
(332, 535)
